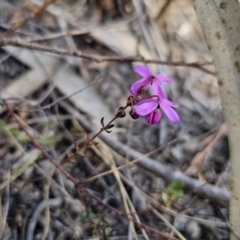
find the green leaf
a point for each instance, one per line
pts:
(164, 197)
(94, 230)
(84, 217)
(84, 214)
(178, 193)
(105, 225)
(81, 154)
(175, 185)
(93, 215)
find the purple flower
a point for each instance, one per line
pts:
(154, 117)
(150, 107)
(133, 114)
(149, 78)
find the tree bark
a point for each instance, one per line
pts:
(220, 21)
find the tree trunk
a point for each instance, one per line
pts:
(220, 21)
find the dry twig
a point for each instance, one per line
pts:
(17, 42)
(204, 190)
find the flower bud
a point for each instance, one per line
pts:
(154, 117)
(120, 113)
(133, 114)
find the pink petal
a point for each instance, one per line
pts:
(169, 103)
(158, 90)
(146, 108)
(154, 117)
(143, 71)
(171, 114)
(146, 100)
(138, 84)
(162, 78)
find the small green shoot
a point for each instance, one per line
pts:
(173, 191)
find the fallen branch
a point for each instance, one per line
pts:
(17, 42)
(204, 190)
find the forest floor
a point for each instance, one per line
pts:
(68, 64)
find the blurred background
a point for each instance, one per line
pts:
(47, 92)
